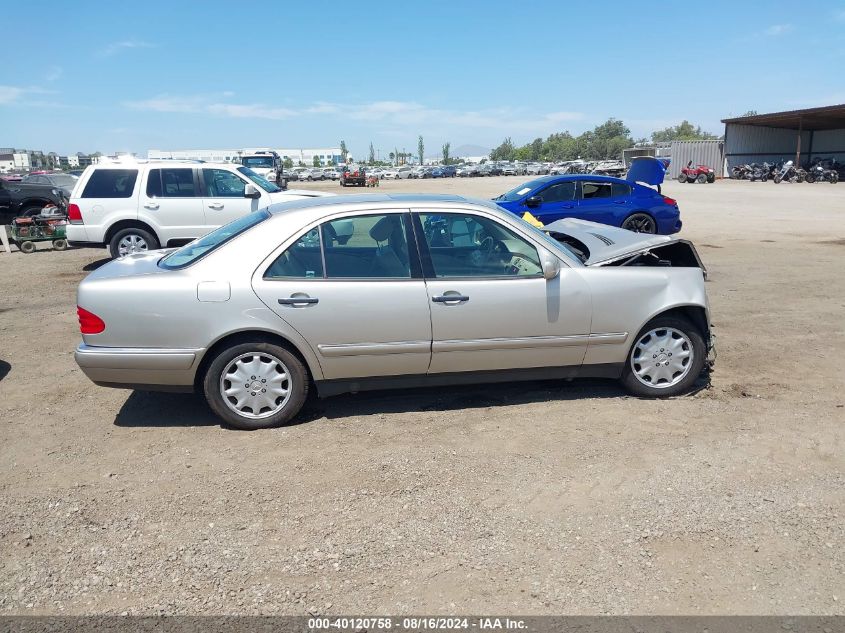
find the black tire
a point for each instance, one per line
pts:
(711, 178)
(695, 342)
(682, 178)
(764, 178)
(145, 236)
(27, 247)
(640, 223)
(777, 179)
(298, 382)
(810, 178)
(834, 178)
(60, 244)
(701, 179)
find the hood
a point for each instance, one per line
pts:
(297, 194)
(605, 243)
(647, 170)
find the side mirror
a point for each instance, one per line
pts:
(533, 202)
(550, 265)
(250, 191)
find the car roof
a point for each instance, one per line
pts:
(566, 177)
(382, 199)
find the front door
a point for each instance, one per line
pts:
(223, 197)
(558, 201)
(491, 308)
(353, 289)
(170, 200)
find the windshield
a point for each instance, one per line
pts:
(257, 161)
(518, 192)
(265, 184)
(191, 252)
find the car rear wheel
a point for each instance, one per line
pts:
(640, 223)
(682, 178)
(666, 358)
(256, 385)
(129, 241)
(701, 179)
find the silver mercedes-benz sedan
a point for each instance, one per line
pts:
(361, 292)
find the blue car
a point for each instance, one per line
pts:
(613, 201)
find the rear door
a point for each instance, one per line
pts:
(595, 201)
(223, 196)
(353, 288)
(170, 200)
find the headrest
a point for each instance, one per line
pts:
(383, 228)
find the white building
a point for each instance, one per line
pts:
(327, 156)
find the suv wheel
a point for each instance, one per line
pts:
(133, 240)
(256, 385)
(666, 358)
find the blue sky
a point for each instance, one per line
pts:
(114, 76)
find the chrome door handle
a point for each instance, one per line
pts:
(215, 205)
(449, 298)
(292, 301)
(151, 205)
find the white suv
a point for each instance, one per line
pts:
(138, 206)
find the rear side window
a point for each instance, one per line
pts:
(171, 183)
(590, 190)
(111, 183)
(620, 189)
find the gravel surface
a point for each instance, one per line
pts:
(544, 497)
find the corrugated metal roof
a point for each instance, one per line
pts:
(825, 118)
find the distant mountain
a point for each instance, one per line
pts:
(470, 150)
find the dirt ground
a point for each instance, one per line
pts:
(545, 497)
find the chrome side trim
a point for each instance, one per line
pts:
(527, 342)
(375, 349)
(89, 356)
(608, 338)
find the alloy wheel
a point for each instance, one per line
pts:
(662, 357)
(130, 244)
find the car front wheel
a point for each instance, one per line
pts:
(666, 358)
(256, 385)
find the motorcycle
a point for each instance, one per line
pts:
(789, 173)
(759, 172)
(819, 173)
(740, 172)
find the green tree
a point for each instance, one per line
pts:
(288, 163)
(446, 158)
(343, 151)
(684, 131)
(750, 113)
(421, 149)
(316, 161)
(372, 154)
(392, 156)
(505, 151)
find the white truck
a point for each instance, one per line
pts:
(267, 164)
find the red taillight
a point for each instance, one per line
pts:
(74, 215)
(670, 201)
(89, 323)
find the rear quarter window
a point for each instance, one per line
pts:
(110, 183)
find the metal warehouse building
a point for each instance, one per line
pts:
(799, 135)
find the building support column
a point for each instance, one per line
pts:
(798, 147)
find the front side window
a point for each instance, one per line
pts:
(591, 190)
(560, 192)
(110, 183)
(221, 183)
(262, 182)
(463, 245)
(366, 246)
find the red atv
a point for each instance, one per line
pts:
(697, 173)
